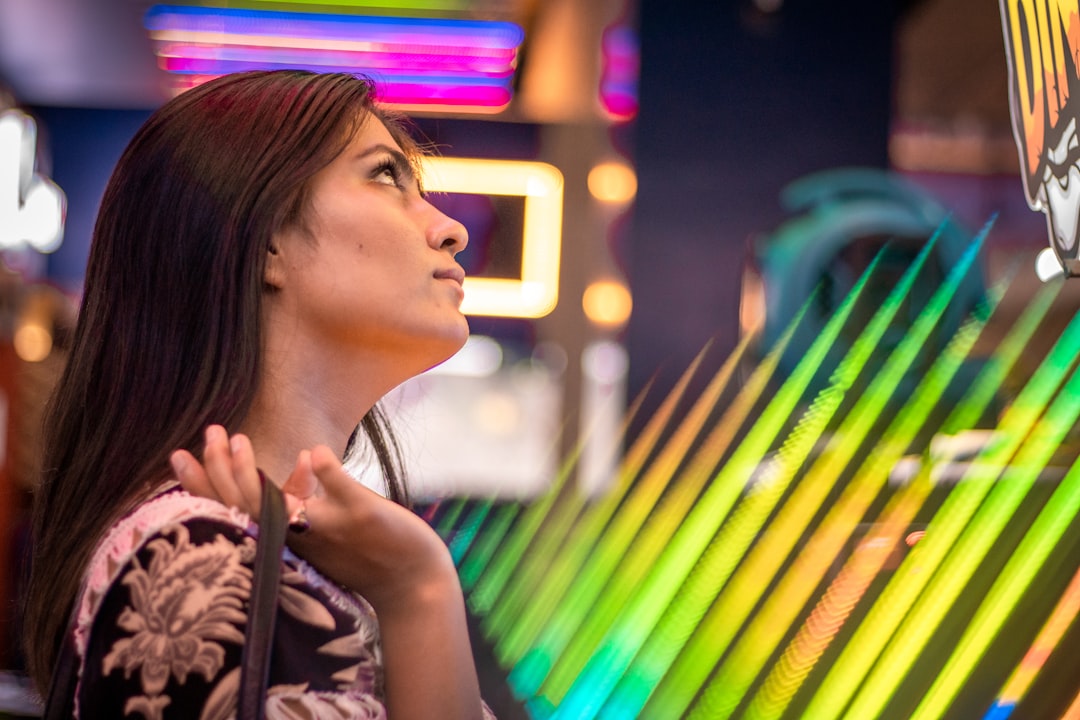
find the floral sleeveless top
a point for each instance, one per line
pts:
(161, 624)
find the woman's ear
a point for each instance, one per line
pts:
(274, 276)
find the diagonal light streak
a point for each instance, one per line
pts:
(1016, 687)
(1017, 575)
(955, 545)
(728, 547)
(868, 641)
(767, 629)
(499, 606)
(599, 542)
(867, 560)
(649, 604)
(621, 565)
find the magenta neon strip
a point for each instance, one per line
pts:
(482, 97)
(496, 64)
(196, 62)
(619, 74)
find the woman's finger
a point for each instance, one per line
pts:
(244, 472)
(191, 475)
(217, 459)
(302, 482)
(364, 541)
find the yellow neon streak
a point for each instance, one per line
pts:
(730, 591)
(873, 634)
(1001, 600)
(501, 593)
(651, 540)
(1060, 619)
(794, 590)
(947, 582)
(870, 556)
(1073, 713)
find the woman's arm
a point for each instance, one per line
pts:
(376, 548)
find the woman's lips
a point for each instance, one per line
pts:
(455, 273)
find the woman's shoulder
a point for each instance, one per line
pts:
(170, 513)
(163, 616)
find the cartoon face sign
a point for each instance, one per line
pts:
(1042, 45)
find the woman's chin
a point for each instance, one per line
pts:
(451, 350)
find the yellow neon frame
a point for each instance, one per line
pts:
(536, 293)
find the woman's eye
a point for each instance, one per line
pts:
(387, 175)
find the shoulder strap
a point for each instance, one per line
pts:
(262, 611)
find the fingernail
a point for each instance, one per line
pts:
(234, 443)
(179, 464)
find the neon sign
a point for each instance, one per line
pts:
(32, 207)
(536, 292)
(1042, 38)
(418, 63)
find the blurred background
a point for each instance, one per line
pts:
(651, 184)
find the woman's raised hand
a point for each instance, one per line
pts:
(356, 537)
(372, 546)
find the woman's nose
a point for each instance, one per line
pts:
(448, 234)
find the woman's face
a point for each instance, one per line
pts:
(372, 270)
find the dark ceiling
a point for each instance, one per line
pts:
(94, 53)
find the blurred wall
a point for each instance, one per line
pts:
(85, 145)
(735, 103)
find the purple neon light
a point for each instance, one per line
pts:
(414, 61)
(619, 73)
(187, 57)
(394, 30)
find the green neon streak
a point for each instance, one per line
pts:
(531, 576)
(860, 652)
(679, 556)
(961, 561)
(967, 413)
(463, 538)
(472, 568)
(1018, 573)
(728, 547)
(724, 693)
(595, 547)
(820, 629)
(508, 559)
(528, 577)
(446, 523)
(475, 562)
(832, 610)
(597, 595)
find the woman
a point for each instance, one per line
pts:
(263, 269)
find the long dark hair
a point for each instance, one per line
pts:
(169, 337)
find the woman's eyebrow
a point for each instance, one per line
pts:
(398, 157)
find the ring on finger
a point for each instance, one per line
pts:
(298, 521)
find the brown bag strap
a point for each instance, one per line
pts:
(262, 610)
